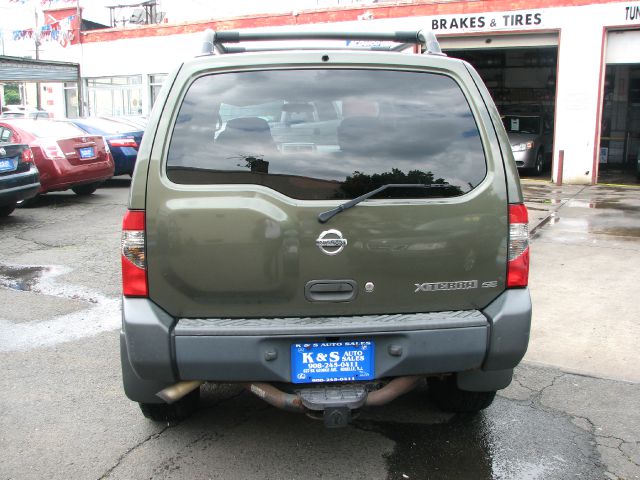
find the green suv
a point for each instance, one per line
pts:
(328, 225)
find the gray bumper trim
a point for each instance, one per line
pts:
(268, 358)
(510, 318)
(329, 325)
(162, 349)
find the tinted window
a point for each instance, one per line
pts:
(327, 134)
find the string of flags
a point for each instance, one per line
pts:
(44, 3)
(60, 31)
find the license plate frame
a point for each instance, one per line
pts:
(329, 362)
(87, 152)
(8, 165)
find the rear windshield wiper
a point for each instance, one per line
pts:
(325, 216)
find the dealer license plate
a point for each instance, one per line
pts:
(87, 152)
(332, 361)
(7, 165)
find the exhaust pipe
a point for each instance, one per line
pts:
(292, 402)
(275, 397)
(175, 392)
(392, 390)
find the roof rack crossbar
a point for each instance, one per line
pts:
(238, 36)
(377, 48)
(214, 41)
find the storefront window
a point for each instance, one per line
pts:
(115, 96)
(71, 100)
(155, 83)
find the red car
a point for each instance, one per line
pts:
(66, 156)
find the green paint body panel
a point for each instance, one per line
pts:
(248, 251)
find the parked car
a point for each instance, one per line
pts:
(531, 139)
(19, 178)
(123, 140)
(66, 156)
(332, 277)
(137, 121)
(21, 111)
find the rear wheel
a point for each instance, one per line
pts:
(6, 210)
(180, 410)
(448, 397)
(87, 189)
(538, 168)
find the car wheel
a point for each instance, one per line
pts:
(6, 210)
(538, 168)
(449, 398)
(84, 190)
(180, 410)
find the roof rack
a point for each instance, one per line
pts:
(214, 42)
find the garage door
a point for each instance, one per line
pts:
(21, 70)
(499, 41)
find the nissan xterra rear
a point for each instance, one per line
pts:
(326, 225)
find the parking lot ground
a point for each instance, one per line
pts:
(571, 412)
(585, 257)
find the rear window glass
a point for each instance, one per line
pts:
(50, 129)
(328, 134)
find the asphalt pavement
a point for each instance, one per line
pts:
(571, 412)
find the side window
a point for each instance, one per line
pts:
(5, 134)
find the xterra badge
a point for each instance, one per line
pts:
(448, 286)
(331, 242)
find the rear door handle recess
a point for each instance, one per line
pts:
(331, 290)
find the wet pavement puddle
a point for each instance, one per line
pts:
(506, 441)
(101, 314)
(21, 277)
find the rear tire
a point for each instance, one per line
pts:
(449, 398)
(6, 210)
(180, 410)
(538, 167)
(85, 190)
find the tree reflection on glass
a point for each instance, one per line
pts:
(360, 183)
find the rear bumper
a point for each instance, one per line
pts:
(63, 175)
(159, 348)
(124, 159)
(19, 186)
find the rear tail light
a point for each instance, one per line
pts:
(124, 142)
(134, 262)
(518, 261)
(52, 151)
(27, 156)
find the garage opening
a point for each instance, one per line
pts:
(522, 80)
(619, 160)
(42, 88)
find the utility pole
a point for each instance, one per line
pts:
(36, 34)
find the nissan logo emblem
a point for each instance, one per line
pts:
(331, 242)
(2, 151)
